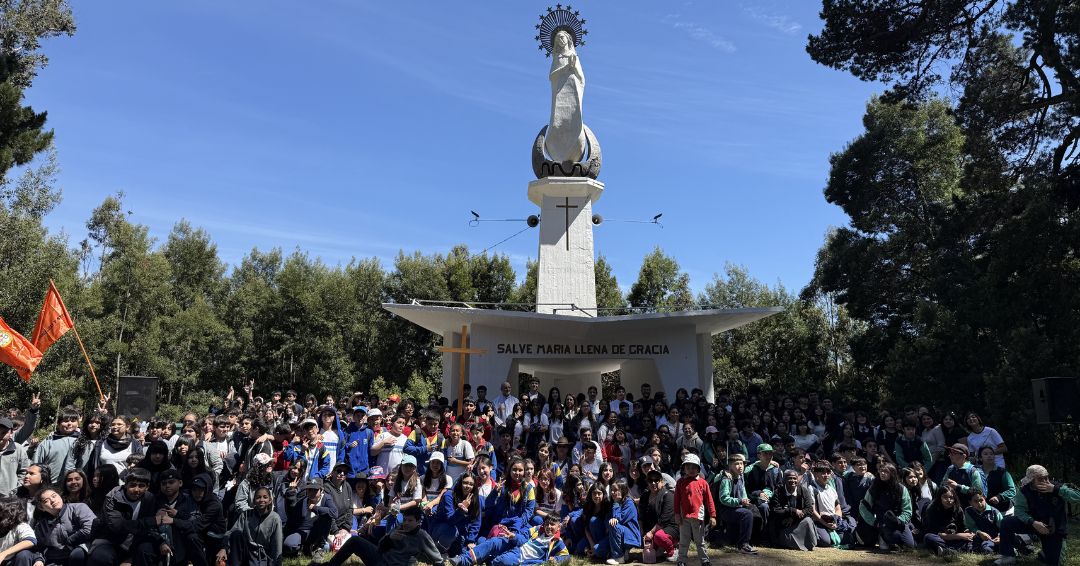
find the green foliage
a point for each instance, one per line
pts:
(608, 293)
(22, 134)
(959, 259)
(23, 24)
(660, 284)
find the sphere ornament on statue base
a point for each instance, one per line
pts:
(544, 167)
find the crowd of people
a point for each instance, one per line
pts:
(517, 479)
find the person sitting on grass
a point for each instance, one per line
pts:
(1040, 507)
(984, 522)
(399, 548)
(885, 512)
(256, 536)
(944, 526)
(961, 476)
(624, 529)
(792, 523)
(998, 483)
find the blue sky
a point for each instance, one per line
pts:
(354, 129)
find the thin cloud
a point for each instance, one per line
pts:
(776, 21)
(701, 33)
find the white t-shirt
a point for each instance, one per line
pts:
(432, 489)
(988, 437)
(117, 459)
(329, 442)
(593, 468)
(21, 532)
(463, 451)
(407, 495)
(555, 431)
(825, 498)
(391, 453)
(805, 442)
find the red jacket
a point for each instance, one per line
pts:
(691, 495)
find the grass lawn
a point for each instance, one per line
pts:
(770, 556)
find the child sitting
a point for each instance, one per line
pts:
(984, 522)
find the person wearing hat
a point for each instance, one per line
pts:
(309, 515)
(310, 449)
(176, 533)
(648, 464)
(961, 475)
(658, 516)
(331, 433)
(1042, 508)
(693, 509)
(736, 509)
(762, 479)
(341, 493)
(358, 438)
(209, 522)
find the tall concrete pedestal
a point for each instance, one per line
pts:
(565, 272)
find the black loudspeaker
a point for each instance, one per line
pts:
(1057, 400)
(138, 397)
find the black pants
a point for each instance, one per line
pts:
(108, 554)
(243, 552)
(305, 540)
(365, 550)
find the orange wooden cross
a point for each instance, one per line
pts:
(461, 374)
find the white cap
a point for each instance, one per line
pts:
(306, 422)
(437, 456)
(692, 459)
(374, 413)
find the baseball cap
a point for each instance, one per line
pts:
(710, 429)
(342, 467)
(170, 474)
(374, 413)
(359, 409)
(408, 459)
(313, 483)
(646, 460)
(959, 448)
(304, 423)
(434, 456)
(7, 423)
(765, 447)
(395, 398)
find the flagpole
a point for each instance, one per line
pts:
(102, 395)
(88, 362)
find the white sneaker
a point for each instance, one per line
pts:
(673, 556)
(619, 560)
(881, 544)
(1006, 560)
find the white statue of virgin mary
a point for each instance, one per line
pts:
(566, 134)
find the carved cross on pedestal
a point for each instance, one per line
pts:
(461, 374)
(567, 206)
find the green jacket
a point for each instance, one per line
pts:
(727, 498)
(868, 504)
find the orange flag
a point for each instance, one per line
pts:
(18, 352)
(53, 321)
